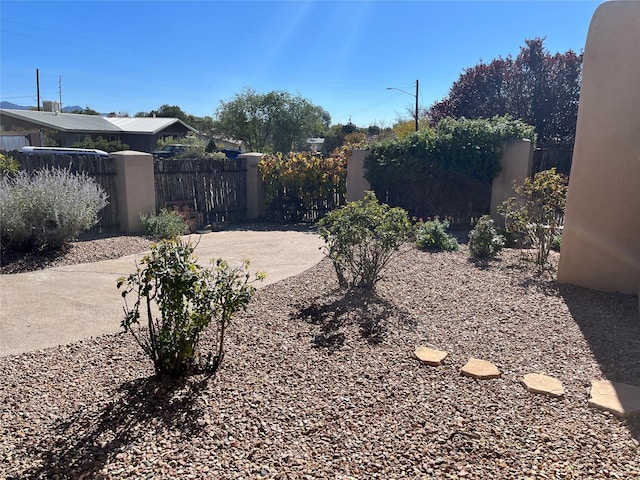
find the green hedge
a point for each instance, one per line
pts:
(460, 156)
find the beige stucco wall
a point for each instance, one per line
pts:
(356, 183)
(601, 239)
(516, 163)
(136, 188)
(255, 189)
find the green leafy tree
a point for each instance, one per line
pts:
(536, 87)
(362, 238)
(537, 211)
(273, 122)
(87, 111)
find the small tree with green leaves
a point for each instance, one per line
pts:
(537, 211)
(188, 297)
(362, 238)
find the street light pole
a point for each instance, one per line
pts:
(416, 96)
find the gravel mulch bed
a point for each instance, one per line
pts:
(318, 383)
(89, 248)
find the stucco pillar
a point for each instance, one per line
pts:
(255, 190)
(601, 238)
(516, 163)
(357, 184)
(136, 188)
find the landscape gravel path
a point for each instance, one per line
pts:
(322, 383)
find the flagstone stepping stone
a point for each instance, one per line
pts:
(538, 383)
(480, 369)
(430, 356)
(618, 398)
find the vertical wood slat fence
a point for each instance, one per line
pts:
(216, 188)
(546, 157)
(101, 169)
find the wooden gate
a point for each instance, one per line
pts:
(216, 188)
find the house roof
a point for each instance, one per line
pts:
(75, 122)
(65, 122)
(145, 124)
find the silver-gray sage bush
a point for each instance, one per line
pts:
(47, 208)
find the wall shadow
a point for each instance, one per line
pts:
(610, 322)
(86, 441)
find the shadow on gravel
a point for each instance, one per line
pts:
(334, 313)
(86, 442)
(610, 324)
(485, 263)
(16, 261)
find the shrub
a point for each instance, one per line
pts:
(471, 148)
(556, 243)
(188, 298)
(537, 211)
(48, 208)
(167, 225)
(361, 239)
(296, 183)
(432, 235)
(484, 241)
(9, 166)
(101, 144)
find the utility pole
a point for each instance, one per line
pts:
(416, 105)
(38, 87)
(416, 97)
(60, 90)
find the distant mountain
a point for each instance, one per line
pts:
(13, 106)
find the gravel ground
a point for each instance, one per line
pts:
(317, 383)
(91, 248)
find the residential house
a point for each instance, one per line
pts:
(65, 129)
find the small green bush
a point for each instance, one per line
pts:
(484, 241)
(556, 243)
(432, 235)
(47, 209)
(167, 225)
(188, 298)
(9, 166)
(101, 144)
(361, 239)
(536, 212)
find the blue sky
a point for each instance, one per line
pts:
(126, 56)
